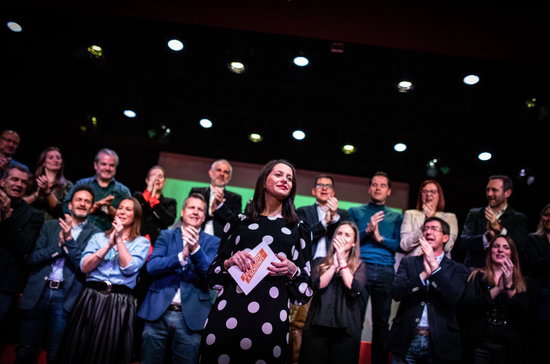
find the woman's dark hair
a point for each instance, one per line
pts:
(257, 204)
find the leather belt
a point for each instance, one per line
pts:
(422, 332)
(107, 287)
(54, 284)
(173, 307)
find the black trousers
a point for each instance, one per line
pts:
(328, 345)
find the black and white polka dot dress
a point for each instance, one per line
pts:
(253, 328)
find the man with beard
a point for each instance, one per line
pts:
(220, 174)
(178, 302)
(20, 225)
(107, 191)
(482, 224)
(56, 280)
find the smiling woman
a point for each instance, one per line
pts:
(256, 333)
(102, 324)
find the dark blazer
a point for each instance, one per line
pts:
(311, 217)
(442, 296)
(40, 262)
(18, 233)
(475, 225)
(169, 275)
(232, 200)
(156, 218)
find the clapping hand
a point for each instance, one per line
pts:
(190, 236)
(65, 233)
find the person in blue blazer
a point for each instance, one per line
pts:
(177, 304)
(56, 280)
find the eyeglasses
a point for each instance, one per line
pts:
(433, 192)
(433, 228)
(13, 141)
(328, 186)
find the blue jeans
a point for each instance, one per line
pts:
(47, 316)
(169, 334)
(379, 287)
(419, 352)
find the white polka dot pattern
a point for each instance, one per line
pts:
(253, 226)
(231, 323)
(226, 227)
(210, 339)
(283, 315)
(253, 307)
(221, 305)
(302, 243)
(302, 287)
(224, 359)
(218, 269)
(267, 328)
(246, 343)
(268, 239)
(237, 239)
(277, 351)
(286, 231)
(274, 292)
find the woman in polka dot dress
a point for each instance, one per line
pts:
(253, 328)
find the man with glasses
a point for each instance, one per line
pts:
(379, 228)
(322, 217)
(9, 141)
(428, 287)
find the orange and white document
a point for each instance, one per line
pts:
(263, 256)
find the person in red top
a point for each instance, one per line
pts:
(159, 212)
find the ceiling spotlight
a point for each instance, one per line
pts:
(237, 67)
(348, 149)
(400, 147)
(531, 103)
(484, 156)
(14, 27)
(129, 113)
(205, 123)
(95, 51)
(175, 45)
(255, 137)
(471, 79)
(301, 61)
(404, 86)
(166, 130)
(298, 134)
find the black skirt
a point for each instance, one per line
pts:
(100, 329)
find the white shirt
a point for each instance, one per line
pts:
(424, 319)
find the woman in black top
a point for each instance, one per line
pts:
(496, 308)
(332, 332)
(537, 248)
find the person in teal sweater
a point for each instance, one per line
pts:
(379, 229)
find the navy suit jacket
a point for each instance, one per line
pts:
(441, 295)
(233, 201)
(168, 275)
(45, 253)
(475, 225)
(311, 217)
